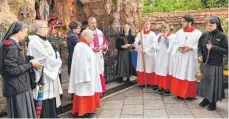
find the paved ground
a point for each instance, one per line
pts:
(143, 103)
(65, 79)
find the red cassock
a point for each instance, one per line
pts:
(85, 104)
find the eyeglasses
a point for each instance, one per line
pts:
(45, 27)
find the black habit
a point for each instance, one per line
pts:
(212, 84)
(124, 66)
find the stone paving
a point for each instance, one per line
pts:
(144, 103)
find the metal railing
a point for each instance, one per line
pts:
(110, 58)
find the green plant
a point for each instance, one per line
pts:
(224, 24)
(180, 5)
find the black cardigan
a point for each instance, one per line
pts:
(15, 69)
(219, 40)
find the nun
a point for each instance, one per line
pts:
(212, 46)
(125, 44)
(15, 70)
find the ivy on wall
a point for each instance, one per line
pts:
(180, 5)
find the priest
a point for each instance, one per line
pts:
(99, 46)
(84, 81)
(185, 65)
(41, 49)
(149, 43)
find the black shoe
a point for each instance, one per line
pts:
(160, 91)
(180, 98)
(89, 115)
(167, 93)
(190, 98)
(212, 106)
(155, 88)
(140, 86)
(204, 103)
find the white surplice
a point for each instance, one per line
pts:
(162, 56)
(185, 65)
(149, 43)
(172, 41)
(43, 51)
(84, 77)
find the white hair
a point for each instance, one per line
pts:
(127, 25)
(86, 33)
(37, 24)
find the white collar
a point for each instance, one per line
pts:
(14, 39)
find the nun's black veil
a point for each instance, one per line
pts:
(216, 20)
(14, 28)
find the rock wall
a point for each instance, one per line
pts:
(65, 10)
(2, 101)
(174, 18)
(10, 11)
(111, 13)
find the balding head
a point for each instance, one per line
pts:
(88, 35)
(92, 23)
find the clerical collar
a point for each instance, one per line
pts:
(42, 37)
(14, 39)
(84, 41)
(190, 29)
(146, 31)
(126, 34)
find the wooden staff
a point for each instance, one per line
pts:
(140, 30)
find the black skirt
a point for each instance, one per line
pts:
(49, 109)
(212, 84)
(125, 67)
(21, 105)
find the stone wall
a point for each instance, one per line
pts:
(2, 101)
(65, 10)
(10, 11)
(174, 18)
(111, 14)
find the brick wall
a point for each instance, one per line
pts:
(174, 18)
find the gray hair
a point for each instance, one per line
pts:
(37, 24)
